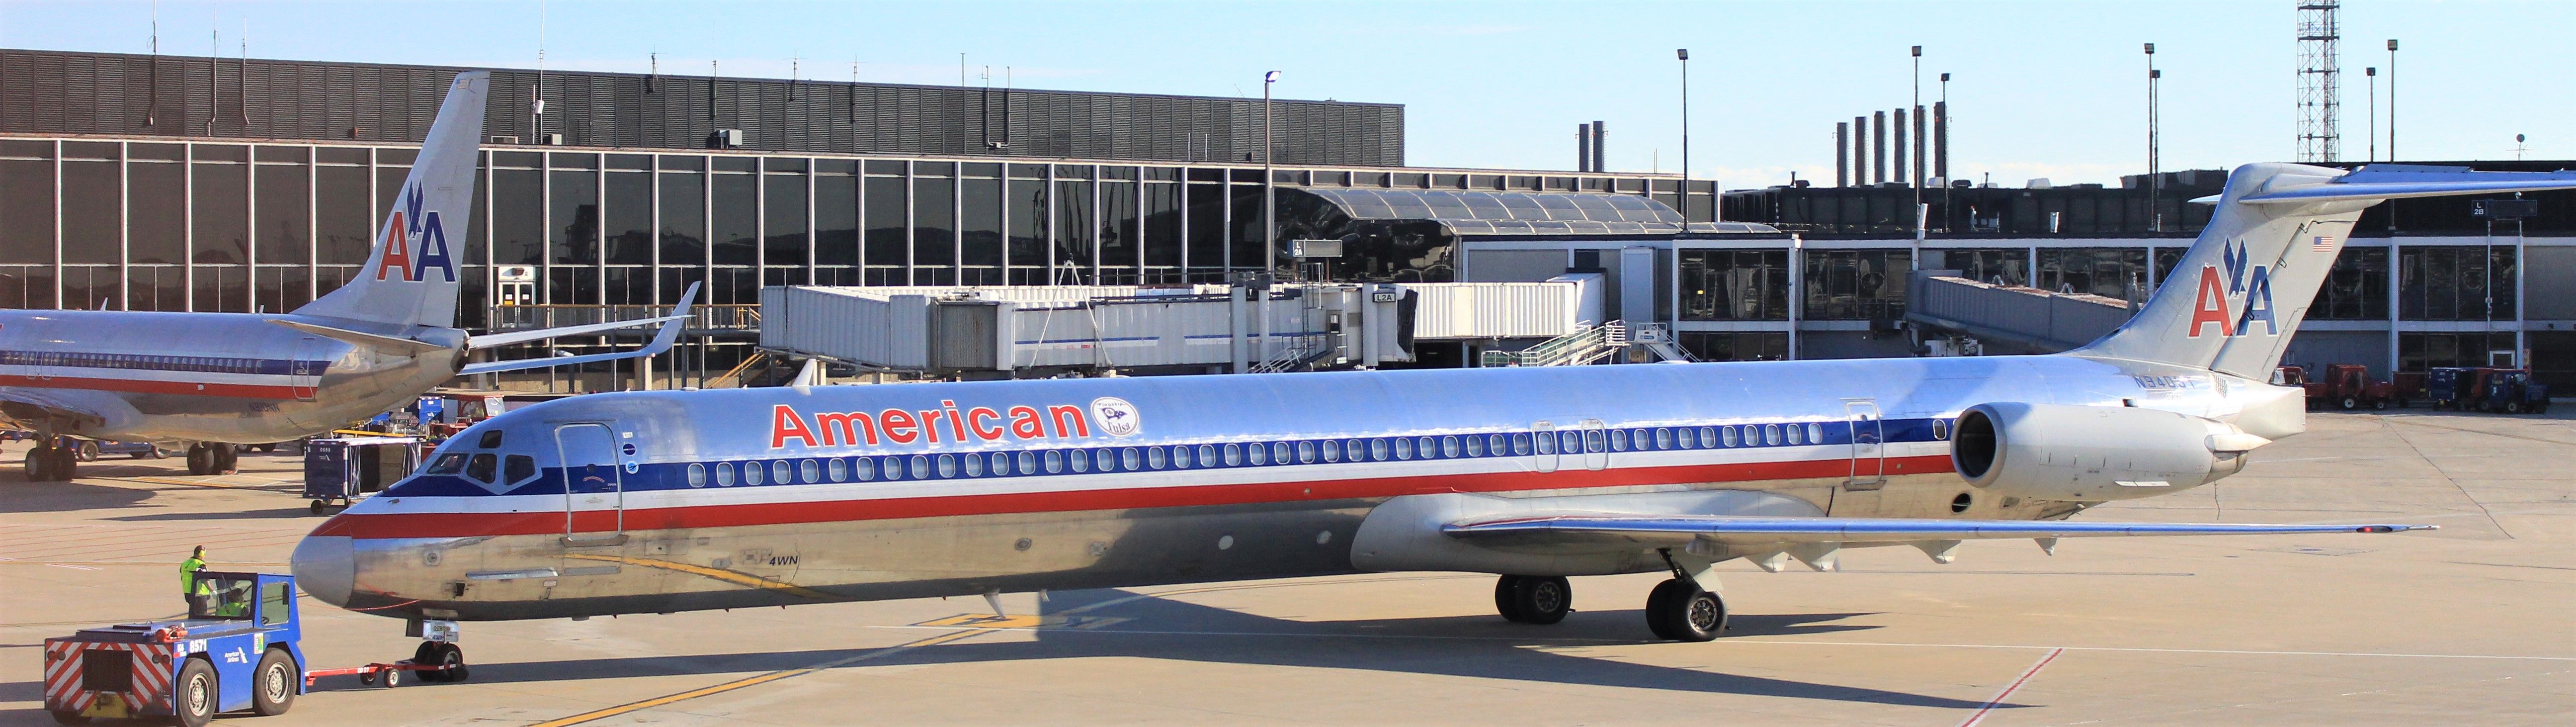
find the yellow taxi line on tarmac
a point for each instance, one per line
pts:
(733, 577)
(757, 680)
(210, 566)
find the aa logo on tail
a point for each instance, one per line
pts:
(409, 225)
(2234, 300)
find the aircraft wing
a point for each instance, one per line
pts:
(68, 410)
(671, 325)
(1814, 539)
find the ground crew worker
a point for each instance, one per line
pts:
(192, 588)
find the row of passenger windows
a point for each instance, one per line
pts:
(1183, 456)
(141, 362)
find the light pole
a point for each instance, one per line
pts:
(1269, 186)
(2155, 181)
(1916, 181)
(1683, 54)
(2372, 74)
(2392, 99)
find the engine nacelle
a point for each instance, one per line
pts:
(2093, 453)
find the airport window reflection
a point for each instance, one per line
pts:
(2356, 288)
(2455, 283)
(1994, 266)
(2117, 273)
(1852, 285)
(1744, 285)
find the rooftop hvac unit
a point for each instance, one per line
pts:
(725, 139)
(503, 140)
(550, 139)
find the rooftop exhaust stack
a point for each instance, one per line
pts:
(1583, 148)
(1842, 154)
(1600, 138)
(1878, 147)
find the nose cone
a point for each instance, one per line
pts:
(326, 567)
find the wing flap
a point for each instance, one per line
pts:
(1678, 530)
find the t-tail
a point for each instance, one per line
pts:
(410, 279)
(2236, 297)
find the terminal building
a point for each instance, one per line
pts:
(137, 182)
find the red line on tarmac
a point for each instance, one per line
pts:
(2008, 690)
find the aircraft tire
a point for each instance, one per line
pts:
(66, 465)
(40, 467)
(226, 460)
(201, 459)
(1506, 600)
(273, 684)
(193, 695)
(1679, 611)
(1541, 600)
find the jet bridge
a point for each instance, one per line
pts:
(2038, 319)
(1032, 331)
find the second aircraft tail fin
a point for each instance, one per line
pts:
(411, 276)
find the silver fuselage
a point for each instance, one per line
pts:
(641, 502)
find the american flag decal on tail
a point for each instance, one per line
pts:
(2322, 243)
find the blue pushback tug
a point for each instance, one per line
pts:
(240, 650)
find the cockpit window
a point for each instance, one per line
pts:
(448, 464)
(490, 440)
(480, 468)
(519, 469)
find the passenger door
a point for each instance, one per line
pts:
(1596, 445)
(594, 488)
(1868, 445)
(1545, 455)
(304, 374)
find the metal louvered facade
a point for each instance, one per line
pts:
(47, 92)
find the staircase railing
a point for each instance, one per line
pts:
(1587, 344)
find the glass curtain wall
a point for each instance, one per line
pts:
(2356, 289)
(2110, 272)
(1735, 285)
(1998, 266)
(2455, 283)
(1856, 285)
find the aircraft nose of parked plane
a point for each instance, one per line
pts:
(326, 567)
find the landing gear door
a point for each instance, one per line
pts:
(594, 488)
(1868, 445)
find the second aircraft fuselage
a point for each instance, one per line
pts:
(647, 502)
(220, 377)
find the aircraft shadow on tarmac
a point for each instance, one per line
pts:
(280, 513)
(65, 496)
(1480, 646)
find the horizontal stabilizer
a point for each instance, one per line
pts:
(503, 339)
(1677, 530)
(671, 327)
(2393, 181)
(392, 344)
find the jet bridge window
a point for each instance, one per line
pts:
(482, 468)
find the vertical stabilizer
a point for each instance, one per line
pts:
(411, 276)
(2234, 300)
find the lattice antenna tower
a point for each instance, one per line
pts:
(2320, 38)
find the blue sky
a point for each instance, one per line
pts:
(2041, 89)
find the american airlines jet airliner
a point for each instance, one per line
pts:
(218, 379)
(654, 502)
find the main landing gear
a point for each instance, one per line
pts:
(52, 463)
(1679, 609)
(212, 458)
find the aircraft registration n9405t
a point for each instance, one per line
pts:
(648, 502)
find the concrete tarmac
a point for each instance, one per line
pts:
(2473, 624)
